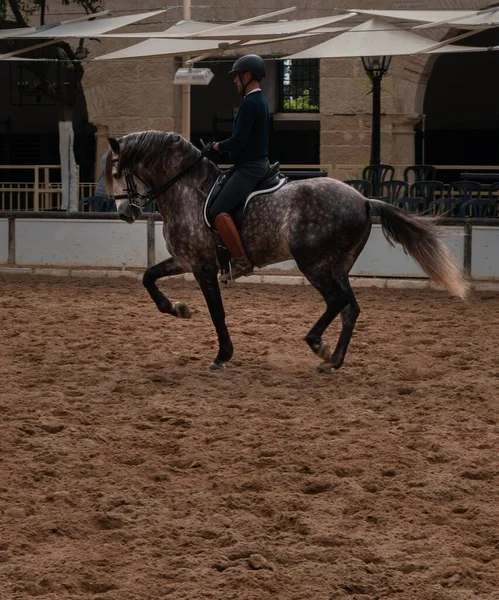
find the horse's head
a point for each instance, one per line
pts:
(129, 191)
(143, 166)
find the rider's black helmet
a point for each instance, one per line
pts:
(252, 63)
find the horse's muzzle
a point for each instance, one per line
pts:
(129, 213)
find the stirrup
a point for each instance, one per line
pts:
(237, 271)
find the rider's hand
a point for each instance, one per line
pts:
(208, 149)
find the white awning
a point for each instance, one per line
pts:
(181, 29)
(79, 29)
(195, 29)
(13, 33)
(463, 19)
(421, 16)
(169, 47)
(270, 30)
(179, 47)
(375, 38)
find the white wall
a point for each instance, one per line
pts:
(485, 253)
(4, 240)
(64, 242)
(114, 244)
(379, 259)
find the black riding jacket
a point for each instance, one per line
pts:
(250, 132)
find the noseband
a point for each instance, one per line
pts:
(142, 200)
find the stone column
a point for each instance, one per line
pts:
(403, 151)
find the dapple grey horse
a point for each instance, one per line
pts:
(321, 223)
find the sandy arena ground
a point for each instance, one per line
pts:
(128, 471)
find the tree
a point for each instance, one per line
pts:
(61, 85)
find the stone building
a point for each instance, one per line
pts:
(438, 109)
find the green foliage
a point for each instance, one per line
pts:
(300, 103)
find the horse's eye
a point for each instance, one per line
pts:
(115, 175)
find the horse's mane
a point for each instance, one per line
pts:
(157, 152)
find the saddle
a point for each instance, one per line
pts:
(272, 181)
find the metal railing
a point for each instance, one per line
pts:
(42, 192)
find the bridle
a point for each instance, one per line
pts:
(142, 200)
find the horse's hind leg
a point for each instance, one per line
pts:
(165, 268)
(336, 291)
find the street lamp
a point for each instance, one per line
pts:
(376, 67)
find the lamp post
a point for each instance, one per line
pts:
(376, 67)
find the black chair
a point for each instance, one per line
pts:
(393, 189)
(465, 190)
(377, 174)
(445, 207)
(493, 190)
(420, 172)
(412, 204)
(361, 185)
(429, 190)
(480, 208)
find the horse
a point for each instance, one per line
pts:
(321, 223)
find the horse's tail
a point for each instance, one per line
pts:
(419, 238)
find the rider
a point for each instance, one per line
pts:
(248, 147)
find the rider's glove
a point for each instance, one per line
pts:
(207, 149)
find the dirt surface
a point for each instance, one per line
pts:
(128, 471)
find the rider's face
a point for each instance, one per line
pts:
(244, 77)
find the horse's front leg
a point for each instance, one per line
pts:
(206, 276)
(165, 268)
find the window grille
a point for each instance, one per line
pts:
(299, 86)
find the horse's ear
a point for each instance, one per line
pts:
(114, 145)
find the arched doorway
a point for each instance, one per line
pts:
(462, 107)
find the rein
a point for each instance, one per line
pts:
(142, 200)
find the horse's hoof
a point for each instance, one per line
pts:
(324, 352)
(217, 365)
(181, 310)
(325, 367)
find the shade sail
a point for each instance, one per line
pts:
(179, 47)
(421, 16)
(169, 47)
(12, 33)
(374, 38)
(482, 20)
(80, 29)
(464, 19)
(270, 30)
(195, 30)
(182, 30)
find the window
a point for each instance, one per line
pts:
(299, 86)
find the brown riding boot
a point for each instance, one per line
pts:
(232, 240)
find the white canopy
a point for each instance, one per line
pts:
(13, 33)
(78, 29)
(169, 47)
(375, 38)
(181, 29)
(464, 19)
(270, 30)
(219, 31)
(179, 47)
